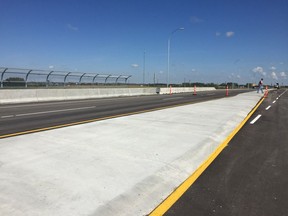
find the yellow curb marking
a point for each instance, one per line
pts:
(178, 192)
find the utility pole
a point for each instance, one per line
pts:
(144, 56)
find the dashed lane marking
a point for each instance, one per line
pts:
(8, 116)
(255, 119)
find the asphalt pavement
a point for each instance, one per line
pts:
(18, 119)
(250, 176)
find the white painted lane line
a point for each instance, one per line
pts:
(41, 104)
(255, 119)
(45, 103)
(54, 111)
(8, 116)
(283, 93)
(273, 101)
(277, 98)
(267, 108)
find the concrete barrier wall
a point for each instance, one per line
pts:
(185, 89)
(9, 96)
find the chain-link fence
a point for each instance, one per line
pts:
(20, 77)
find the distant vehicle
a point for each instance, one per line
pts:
(254, 85)
(277, 86)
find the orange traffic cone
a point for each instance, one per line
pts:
(266, 92)
(195, 93)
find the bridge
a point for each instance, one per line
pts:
(114, 156)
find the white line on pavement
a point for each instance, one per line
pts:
(267, 108)
(54, 111)
(283, 93)
(273, 101)
(8, 116)
(255, 119)
(45, 103)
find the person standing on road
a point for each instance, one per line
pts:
(260, 86)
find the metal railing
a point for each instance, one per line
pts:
(34, 77)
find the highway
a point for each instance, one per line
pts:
(19, 119)
(250, 176)
(119, 166)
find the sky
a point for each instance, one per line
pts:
(222, 41)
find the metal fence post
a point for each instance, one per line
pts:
(2, 76)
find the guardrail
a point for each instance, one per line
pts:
(21, 77)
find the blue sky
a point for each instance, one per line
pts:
(224, 40)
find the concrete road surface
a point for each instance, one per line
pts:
(121, 166)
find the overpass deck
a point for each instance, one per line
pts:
(121, 166)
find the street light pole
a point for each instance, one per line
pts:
(168, 62)
(144, 56)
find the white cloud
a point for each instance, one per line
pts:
(283, 74)
(218, 34)
(72, 28)
(134, 65)
(273, 68)
(230, 34)
(259, 70)
(274, 76)
(51, 66)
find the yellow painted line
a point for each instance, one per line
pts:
(178, 192)
(89, 121)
